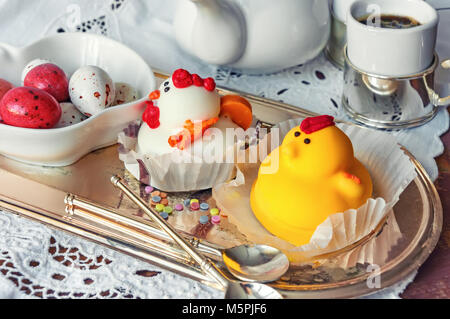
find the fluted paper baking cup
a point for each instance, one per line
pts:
(375, 251)
(170, 172)
(391, 171)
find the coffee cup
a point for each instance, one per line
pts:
(391, 38)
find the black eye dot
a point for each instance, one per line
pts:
(166, 90)
(307, 141)
(297, 134)
(166, 84)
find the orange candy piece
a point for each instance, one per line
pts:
(155, 95)
(192, 131)
(238, 109)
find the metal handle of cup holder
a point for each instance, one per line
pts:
(434, 97)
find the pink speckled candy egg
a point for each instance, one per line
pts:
(91, 90)
(5, 86)
(49, 78)
(30, 108)
(30, 66)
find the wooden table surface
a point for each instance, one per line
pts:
(433, 280)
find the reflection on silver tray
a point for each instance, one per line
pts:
(410, 233)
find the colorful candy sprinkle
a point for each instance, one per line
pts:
(204, 220)
(156, 199)
(195, 206)
(168, 210)
(156, 193)
(214, 212)
(204, 206)
(160, 208)
(179, 207)
(149, 190)
(215, 220)
(165, 215)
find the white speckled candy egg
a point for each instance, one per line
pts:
(70, 116)
(91, 90)
(125, 93)
(30, 66)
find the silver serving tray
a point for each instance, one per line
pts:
(97, 211)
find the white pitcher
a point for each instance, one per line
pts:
(253, 35)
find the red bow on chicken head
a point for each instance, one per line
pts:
(183, 79)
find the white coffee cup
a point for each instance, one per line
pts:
(392, 52)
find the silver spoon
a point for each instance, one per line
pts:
(233, 290)
(256, 263)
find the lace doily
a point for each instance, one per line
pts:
(39, 262)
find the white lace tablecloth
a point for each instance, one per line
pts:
(39, 262)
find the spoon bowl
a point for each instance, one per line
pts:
(256, 263)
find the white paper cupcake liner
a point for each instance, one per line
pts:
(373, 252)
(168, 172)
(391, 171)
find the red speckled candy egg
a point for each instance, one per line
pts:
(30, 108)
(49, 78)
(5, 86)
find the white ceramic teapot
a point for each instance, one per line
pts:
(253, 35)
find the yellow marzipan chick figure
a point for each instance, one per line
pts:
(317, 176)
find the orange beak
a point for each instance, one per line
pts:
(155, 95)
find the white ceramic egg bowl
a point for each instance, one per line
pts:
(65, 146)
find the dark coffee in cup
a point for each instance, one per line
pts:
(389, 21)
